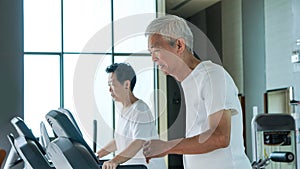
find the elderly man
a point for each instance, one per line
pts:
(213, 112)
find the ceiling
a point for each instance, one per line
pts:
(187, 8)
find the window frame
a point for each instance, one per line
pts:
(113, 54)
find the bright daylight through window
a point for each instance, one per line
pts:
(57, 34)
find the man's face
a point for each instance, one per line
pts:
(162, 53)
(116, 89)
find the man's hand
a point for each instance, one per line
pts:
(155, 148)
(218, 136)
(109, 165)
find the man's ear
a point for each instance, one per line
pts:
(127, 84)
(180, 45)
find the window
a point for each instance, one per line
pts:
(61, 36)
(42, 87)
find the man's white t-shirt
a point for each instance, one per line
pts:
(136, 122)
(209, 89)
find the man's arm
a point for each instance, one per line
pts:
(218, 136)
(125, 155)
(110, 147)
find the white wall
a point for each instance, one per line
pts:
(280, 24)
(282, 29)
(278, 28)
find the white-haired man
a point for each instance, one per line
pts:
(213, 113)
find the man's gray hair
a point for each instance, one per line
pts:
(171, 26)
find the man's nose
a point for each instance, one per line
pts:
(154, 57)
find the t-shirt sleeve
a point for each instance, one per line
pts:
(143, 128)
(143, 125)
(220, 92)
